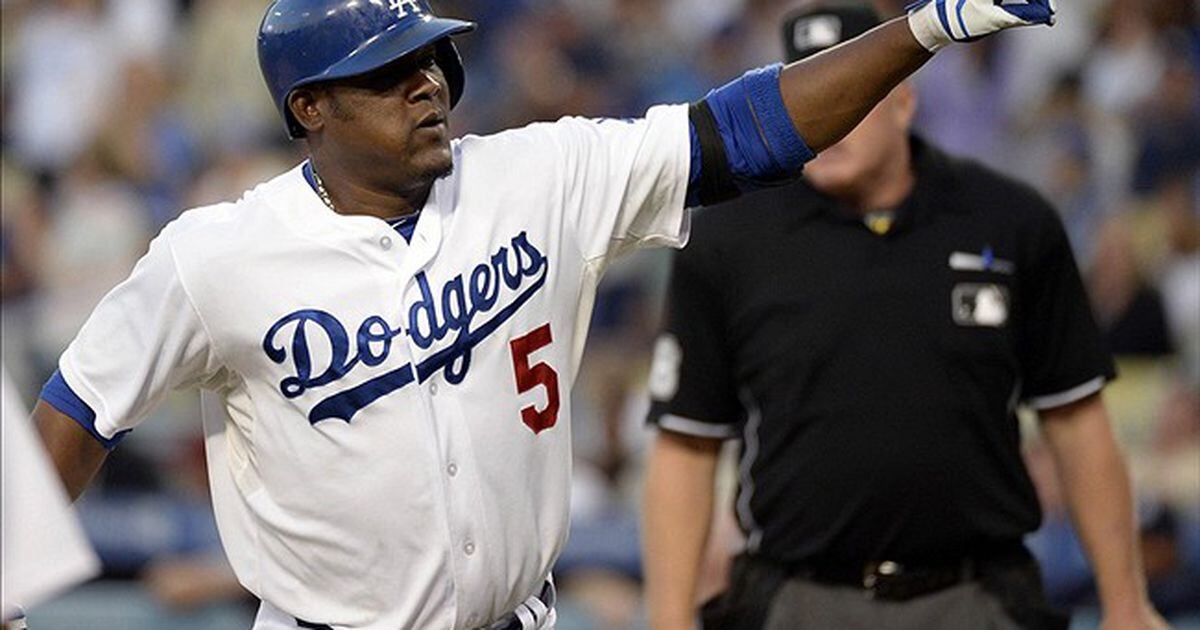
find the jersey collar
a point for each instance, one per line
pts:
(298, 203)
(405, 225)
(937, 190)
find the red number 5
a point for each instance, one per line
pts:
(529, 378)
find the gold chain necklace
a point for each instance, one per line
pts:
(324, 194)
(321, 192)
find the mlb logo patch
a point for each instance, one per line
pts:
(980, 305)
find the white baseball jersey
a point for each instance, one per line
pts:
(396, 451)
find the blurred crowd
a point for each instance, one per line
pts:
(119, 114)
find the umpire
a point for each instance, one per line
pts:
(869, 334)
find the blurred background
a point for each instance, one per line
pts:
(119, 114)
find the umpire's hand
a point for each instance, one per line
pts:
(1136, 617)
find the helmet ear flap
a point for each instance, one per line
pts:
(451, 64)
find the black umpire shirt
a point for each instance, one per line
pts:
(874, 379)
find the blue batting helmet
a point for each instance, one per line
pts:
(302, 42)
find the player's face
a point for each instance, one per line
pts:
(392, 124)
(862, 157)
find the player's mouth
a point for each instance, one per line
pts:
(434, 120)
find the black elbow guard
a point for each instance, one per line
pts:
(717, 182)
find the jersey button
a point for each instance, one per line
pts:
(433, 389)
(452, 469)
(469, 548)
(385, 242)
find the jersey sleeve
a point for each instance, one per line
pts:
(144, 339)
(1064, 355)
(692, 385)
(626, 180)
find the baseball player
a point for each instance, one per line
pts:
(393, 325)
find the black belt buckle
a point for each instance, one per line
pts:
(881, 579)
(893, 581)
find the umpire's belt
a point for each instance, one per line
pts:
(528, 616)
(897, 581)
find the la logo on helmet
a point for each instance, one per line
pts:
(404, 7)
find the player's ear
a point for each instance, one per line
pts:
(302, 104)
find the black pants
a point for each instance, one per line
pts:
(762, 596)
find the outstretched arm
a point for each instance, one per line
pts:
(828, 95)
(760, 129)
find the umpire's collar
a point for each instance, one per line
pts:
(935, 191)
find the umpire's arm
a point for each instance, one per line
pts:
(695, 408)
(677, 512)
(1100, 499)
(1065, 365)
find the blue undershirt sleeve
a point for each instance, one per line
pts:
(693, 191)
(58, 394)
